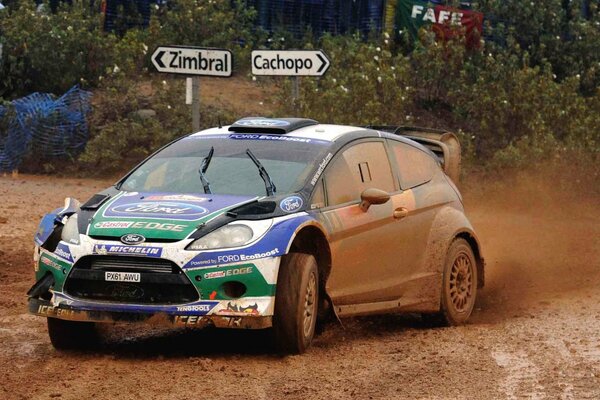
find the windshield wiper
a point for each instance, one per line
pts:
(203, 168)
(269, 185)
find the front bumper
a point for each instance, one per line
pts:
(46, 308)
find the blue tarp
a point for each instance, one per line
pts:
(52, 127)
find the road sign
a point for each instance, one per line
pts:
(289, 62)
(193, 61)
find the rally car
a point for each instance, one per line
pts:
(265, 224)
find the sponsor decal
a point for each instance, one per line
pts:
(160, 209)
(50, 263)
(200, 263)
(133, 238)
(196, 307)
(140, 225)
(236, 309)
(189, 320)
(229, 258)
(291, 204)
(104, 249)
(55, 311)
(63, 252)
(113, 224)
(175, 197)
(261, 122)
(228, 273)
(240, 136)
(322, 166)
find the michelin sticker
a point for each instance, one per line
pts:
(128, 250)
(291, 204)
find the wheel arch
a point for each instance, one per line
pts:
(312, 239)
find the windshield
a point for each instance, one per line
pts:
(287, 160)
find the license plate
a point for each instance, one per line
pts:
(122, 276)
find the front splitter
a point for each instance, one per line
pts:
(45, 308)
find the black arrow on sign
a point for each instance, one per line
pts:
(158, 57)
(323, 61)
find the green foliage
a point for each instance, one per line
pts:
(120, 136)
(553, 32)
(366, 85)
(50, 52)
(505, 110)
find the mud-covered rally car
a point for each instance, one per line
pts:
(267, 223)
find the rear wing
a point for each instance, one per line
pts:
(443, 144)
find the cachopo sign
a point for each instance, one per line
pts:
(289, 62)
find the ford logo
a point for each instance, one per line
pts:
(125, 291)
(291, 204)
(160, 209)
(133, 238)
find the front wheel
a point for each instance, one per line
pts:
(72, 335)
(459, 286)
(296, 303)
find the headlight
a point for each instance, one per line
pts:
(233, 235)
(70, 232)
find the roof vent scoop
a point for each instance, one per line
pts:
(279, 126)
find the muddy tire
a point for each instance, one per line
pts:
(296, 303)
(459, 286)
(72, 335)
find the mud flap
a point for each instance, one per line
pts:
(42, 286)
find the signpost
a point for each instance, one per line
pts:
(294, 63)
(194, 61)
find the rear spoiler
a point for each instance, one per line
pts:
(443, 144)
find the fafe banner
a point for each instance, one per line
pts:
(447, 22)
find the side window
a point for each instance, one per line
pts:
(359, 167)
(318, 197)
(416, 167)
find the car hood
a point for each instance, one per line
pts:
(167, 216)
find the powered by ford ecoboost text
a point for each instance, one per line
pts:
(265, 224)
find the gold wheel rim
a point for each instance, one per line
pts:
(310, 301)
(461, 283)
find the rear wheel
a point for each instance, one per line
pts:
(296, 303)
(459, 286)
(72, 335)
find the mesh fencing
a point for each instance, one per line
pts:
(41, 123)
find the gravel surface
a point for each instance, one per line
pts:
(535, 332)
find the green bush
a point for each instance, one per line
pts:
(505, 110)
(51, 52)
(121, 138)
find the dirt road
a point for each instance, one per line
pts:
(535, 333)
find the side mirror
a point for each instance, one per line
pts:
(373, 196)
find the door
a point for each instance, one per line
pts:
(364, 247)
(424, 192)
